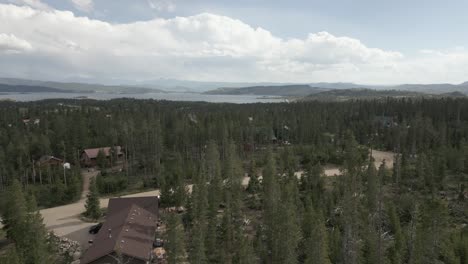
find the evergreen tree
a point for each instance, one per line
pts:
(271, 195)
(372, 186)
(246, 252)
(213, 171)
(11, 257)
(36, 247)
(350, 202)
(288, 235)
(254, 183)
(315, 237)
(175, 240)
(226, 240)
(15, 213)
(197, 252)
(396, 252)
(200, 205)
(92, 206)
(24, 226)
(101, 159)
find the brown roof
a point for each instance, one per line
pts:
(148, 203)
(93, 153)
(129, 229)
(48, 158)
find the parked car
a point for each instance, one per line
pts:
(158, 243)
(95, 229)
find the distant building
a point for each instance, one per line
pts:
(128, 233)
(386, 121)
(28, 121)
(88, 157)
(48, 160)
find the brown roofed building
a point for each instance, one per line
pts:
(48, 160)
(89, 156)
(128, 233)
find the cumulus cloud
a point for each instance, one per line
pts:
(9, 44)
(205, 47)
(83, 5)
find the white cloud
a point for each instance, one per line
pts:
(37, 4)
(83, 5)
(206, 47)
(10, 44)
(162, 5)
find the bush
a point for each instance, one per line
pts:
(111, 183)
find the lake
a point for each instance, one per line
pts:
(237, 99)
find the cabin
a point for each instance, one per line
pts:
(128, 234)
(48, 160)
(88, 157)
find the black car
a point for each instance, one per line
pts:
(158, 243)
(95, 229)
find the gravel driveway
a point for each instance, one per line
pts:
(65, 220)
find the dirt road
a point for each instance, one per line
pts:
(65, 220)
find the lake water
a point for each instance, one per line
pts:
(237, 99)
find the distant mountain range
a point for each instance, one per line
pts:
(24, 85)
(227, 88)
(314, 88)
(365, 93)
(5, 88)
(283, 90)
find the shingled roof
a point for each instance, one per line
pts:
(93, 153)
(129, 229)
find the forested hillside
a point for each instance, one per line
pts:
(274, 90)
(4, 88)
(24, 85)
(414, 213)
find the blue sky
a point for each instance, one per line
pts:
(366, 41)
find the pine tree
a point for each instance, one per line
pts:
(226, 240)
(372, 186)
(11, 257)
(336, 255)
(24, 226)
(36, 248)
(271, 195)
(101, 159)
(175, 240)
(92, 206)
(315, 237)
(246, 253)
(213, 171)
(351, 204)
(197, 252)
(370, 251)
(234, 175)
(396, 251)
(199, 212)
(254, 183)
(15, 213)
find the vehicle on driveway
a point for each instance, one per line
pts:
(95, 229)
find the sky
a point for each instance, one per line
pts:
(302, 41)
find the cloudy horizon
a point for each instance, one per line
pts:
(79, 39)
